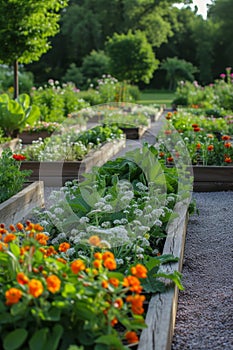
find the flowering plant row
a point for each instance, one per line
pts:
(205, 143)
(70, 145)
(48, 299)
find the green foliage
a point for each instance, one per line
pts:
(176, 70)
(7, 80)
(94, 66)
(131, 57)
(11, 178)
(75, 311)
(26, 26)
(57, 101)
(15, 114)
(70, 146)
(74, 75)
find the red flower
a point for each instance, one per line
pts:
(19, 157)
(210, 148)
(170, 159)
(226, 137)
(196, 129)
(227, 160)
(195, 125)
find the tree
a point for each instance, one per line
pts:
(131, 57)
(25, 29)
(86, 25)
(176, 70)
(220, 13)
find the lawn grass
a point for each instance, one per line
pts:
(156, 97)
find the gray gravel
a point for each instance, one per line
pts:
(205, 308)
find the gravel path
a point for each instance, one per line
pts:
(205, 308)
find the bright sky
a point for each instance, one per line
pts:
(201, 4)
(202, 8)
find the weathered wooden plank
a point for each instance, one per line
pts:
(213, 178)
(162, 308)
(21, 204)
(57, 173)
(9, 144)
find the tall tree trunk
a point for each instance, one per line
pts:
(16, 80)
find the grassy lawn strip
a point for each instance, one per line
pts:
(156, 97)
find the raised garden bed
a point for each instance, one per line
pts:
(58, 172)
(21, 204)
(9, 144)
(213, 178)
(161, 313)
(28, 137)
(134, 133)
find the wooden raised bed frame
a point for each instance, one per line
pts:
(21, 204)
(161, 313)
(213, 178)
(55, 174)
(9, 144)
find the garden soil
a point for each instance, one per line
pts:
(205, 308)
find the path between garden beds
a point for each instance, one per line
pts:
(205, 308)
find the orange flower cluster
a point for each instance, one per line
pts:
(168, 115)
(131, 337)
(136, 303)
(210, 148)
(13, 296)
(132, 283)
(139, 271)
(77, 266)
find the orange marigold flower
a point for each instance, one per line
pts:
(12, 228)
(132, 283)
(168, 115)
(161, 154)
(24, 249)
(110, 264)
(22, 278)
(38, 227)
(20, 226)
(167, 132)
(50, 251)
(35, 288)
(131, 337)
(2, 225)
(139, 271)
(107, 255)
(136, 303)
(13, 295)
(62, 260)
(210, 147)
(227, 145)
(226, 137)
(63, 247)
(114, 281)
(98, 256)
(42, 238)
(3, 230)
(94, 240)
(118, 303)
(114, 321)
(227, 160)
(53, 283)
(104, 284)
(77, 266)
(196, 129)
(170, 159)
(97, 264)
(198, 145)
(9, 238)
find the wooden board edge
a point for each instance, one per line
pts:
(162, 307)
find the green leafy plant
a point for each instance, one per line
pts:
(50, 300)
(15, 114)
(11, 177)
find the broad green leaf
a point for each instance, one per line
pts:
(39, 339)
(15, 339)
(54, 338)
(69, 289)
(15, 249)
(111, 340)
